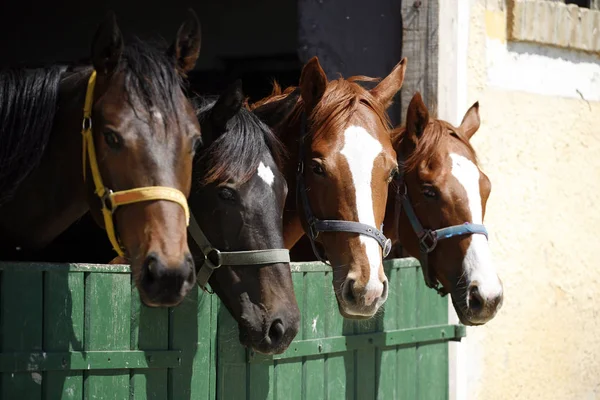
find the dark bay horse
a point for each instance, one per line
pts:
(437, 207)
(237, 198)
(341, 164)
(138, 139)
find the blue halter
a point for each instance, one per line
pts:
(428, 238)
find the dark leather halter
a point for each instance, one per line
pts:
(428, 238)
(316, 225)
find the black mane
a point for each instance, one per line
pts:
(28, 99)
(28, 104)
(236, 154)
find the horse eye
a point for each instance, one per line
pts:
(317, 168)
(227, 194)
(429, 192)
(113, 139)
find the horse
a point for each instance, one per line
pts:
(237, 198)
(436, 210)
(339, 137)
(128, 112)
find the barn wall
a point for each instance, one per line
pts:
(539, 143)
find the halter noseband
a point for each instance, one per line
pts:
(110, 200)
(213, 258)
(429, 238)
(316, 225)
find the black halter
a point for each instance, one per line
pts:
(316, 225)
(428, 238)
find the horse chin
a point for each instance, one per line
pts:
(460, 306)
(356, 314)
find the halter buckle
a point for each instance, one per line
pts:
(387, 247)
(312, 227)
(105, 199)
(428, 241)
(300, 168)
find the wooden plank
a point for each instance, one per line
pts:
(190, 329)
(232, 373)
(386, 359)
(335, 365)
(288, 374)
(64, 296)
(406, 315)
(107, 327)
(21, 299)
(149, 331)
(204, 363)
(420, 44)
(432, 359)
(313, 327)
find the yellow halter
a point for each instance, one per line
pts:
(109, 200)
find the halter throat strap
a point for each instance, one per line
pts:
(316, 225)
(110, 200)
(213, 258)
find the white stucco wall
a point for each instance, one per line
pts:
(540, 145)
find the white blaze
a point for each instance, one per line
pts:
(478, 265)
(361, 149)
(266, 174)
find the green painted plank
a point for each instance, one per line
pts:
(406, 315)
(107, 327)
(149, 331)
(335, 367)
(48, 267)
(232, 373)
(63, 331)
(386, 358)
(205, 360)
(287, 376)
(313, 368)
(190, 327)
(432, 359)
(260, 378)
(21, 299)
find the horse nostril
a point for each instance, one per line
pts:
(189, 266)
(348, 291)
(276, 332)
(476, 302)
(384, 293)
(154, 267)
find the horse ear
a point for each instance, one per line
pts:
(313, 82)
(470, 123)
(229, 103)
(275, 112)
(186, 47)
(387, 88)
(417, 118)
(107, 46)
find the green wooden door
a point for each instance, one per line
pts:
(79, 332)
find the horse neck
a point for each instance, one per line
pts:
(52, 197)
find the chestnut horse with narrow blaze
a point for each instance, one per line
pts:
(436, 210)
(341, 163)
(138, 138)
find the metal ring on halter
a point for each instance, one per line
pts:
(87, 124)
(213, 264)
(105, 199)
(430, 236)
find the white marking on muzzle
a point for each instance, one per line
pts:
(266, 174)
(477, 264)
(361, 149)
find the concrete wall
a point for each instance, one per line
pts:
(540, 145)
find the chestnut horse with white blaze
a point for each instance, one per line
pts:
(437, 207)
(341, 163)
